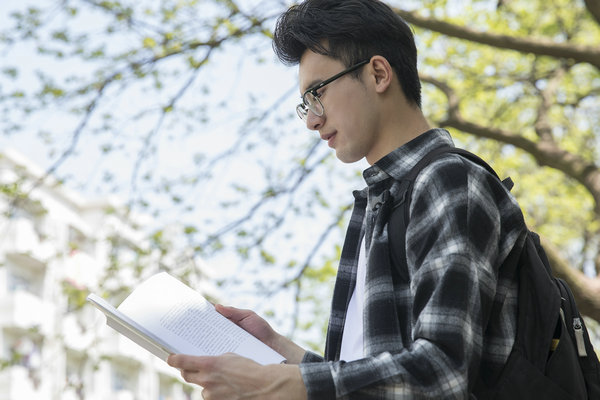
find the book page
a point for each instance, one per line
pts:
(126, 326)
(201, 327)
(183, 319)
(141, 340)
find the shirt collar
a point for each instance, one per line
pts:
(397, 163)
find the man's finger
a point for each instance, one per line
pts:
(191, 363)
(232, 313)
(192, 377)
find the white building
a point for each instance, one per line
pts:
(55, 247)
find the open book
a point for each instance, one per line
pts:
(165, 316)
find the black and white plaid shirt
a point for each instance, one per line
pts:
(451, 320)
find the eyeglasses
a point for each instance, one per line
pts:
(310, 98)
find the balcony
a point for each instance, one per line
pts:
(21, 309)
(21, 241)
(121, 347)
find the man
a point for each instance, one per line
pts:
(445, 326)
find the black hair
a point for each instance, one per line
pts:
(350, 31)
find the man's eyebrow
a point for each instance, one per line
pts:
(315, 83)
(312, 84)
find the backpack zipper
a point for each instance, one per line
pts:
(577, 329)
(577, 322)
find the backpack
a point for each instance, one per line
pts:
(552, 356)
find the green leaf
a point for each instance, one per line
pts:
(149, 43)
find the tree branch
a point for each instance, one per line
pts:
(542, 125)
(546, 152)
(318, 243)
(593, 6)
(578, 53)
(585, 289)
(145, 151)
(267, 197)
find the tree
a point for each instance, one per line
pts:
(516, 81)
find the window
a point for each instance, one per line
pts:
(21, 277)
(124, 378)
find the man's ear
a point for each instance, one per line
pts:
(382, 72)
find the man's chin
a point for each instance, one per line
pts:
(346, 158)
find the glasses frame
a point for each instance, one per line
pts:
(303, 108)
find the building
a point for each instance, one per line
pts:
(55, 247)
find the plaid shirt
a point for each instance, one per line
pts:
(450, 320)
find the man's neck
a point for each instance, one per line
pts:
(399, 128)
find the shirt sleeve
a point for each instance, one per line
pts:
(463, 224)
(310, 357)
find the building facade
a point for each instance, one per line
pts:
(55, 248)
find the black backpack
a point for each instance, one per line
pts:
(552, 357)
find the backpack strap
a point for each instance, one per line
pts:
(399, 217)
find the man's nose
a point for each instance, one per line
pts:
(313, 121)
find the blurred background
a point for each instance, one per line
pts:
(145, 136)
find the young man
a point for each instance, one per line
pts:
(445, 326)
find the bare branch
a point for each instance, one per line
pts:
(297, 280)
(318, 243)
(248, 128)
(292, 187)
(89, 110)
(166, 109)
(568, 51)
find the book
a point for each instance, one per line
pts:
(165, 316)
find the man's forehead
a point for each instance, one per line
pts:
(314, 68)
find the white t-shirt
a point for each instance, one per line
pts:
(352, 337)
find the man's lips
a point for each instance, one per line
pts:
(328, 137)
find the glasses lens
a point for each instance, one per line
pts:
(302, 111)
(313, 103)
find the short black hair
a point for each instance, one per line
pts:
(350, 31)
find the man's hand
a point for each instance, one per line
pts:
(231, 377)
(259, 328)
